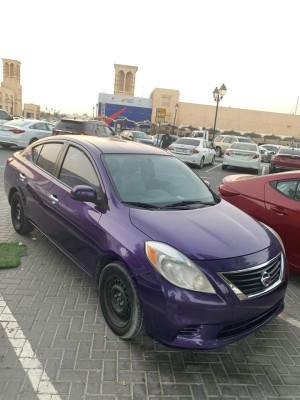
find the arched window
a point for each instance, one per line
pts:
(120, 81)
(129, 82)
(12, 70)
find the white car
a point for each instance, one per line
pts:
(193, 151)
(243, 155)
(22, 132)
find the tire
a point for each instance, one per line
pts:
(213, 160)
(201, 163)
(6, 146)
(119, 301)
(20, 223)
(224, 166)
(218, 152)
(32, 140)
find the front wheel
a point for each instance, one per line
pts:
(218, 152)
(119, 301)
(20, 222)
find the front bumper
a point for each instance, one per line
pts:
(188, 319)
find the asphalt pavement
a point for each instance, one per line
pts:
(55, 344)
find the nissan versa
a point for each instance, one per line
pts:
(169, 255)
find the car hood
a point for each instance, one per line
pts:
(209, 233)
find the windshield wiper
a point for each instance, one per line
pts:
(189, 202)
(140, 204)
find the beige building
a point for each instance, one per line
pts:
(199, 115)
(11, 89)
(31, 111)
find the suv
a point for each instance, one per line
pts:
(222, 142)
(82, 127)
(4, 116)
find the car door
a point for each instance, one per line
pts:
(208, 152)
(282, 202)
(39, 130)
(35, 177)
(74, 222)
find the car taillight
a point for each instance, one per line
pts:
(17, 131)
(194, 151)
(227, 192)
(9, 160)
(255, 155)
(170, 148)
(84, 133)
(227, 153)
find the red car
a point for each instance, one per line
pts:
(286, 159)
(273, 200)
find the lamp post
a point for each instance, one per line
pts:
(93, 112)
(176, 109)
(218, 95)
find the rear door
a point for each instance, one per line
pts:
(282, 202)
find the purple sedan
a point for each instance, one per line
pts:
(169, 255)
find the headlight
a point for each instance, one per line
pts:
(275, 234)
(176, 268)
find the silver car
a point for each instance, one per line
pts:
(22, 132)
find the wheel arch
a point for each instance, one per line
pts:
(11, 193)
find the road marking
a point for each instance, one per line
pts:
(289, 319)
(40, 381)
(216, 166)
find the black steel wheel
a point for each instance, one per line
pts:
(20, 223)
(119, 301)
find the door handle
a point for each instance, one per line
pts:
(279, 211)
(53, 198)
(22, 177)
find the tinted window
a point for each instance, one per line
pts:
(245, 140)
(243, 146)
(36, 152)
(42, 126)
(293, 152)
(218, 138)
(4, 115)
(227, 140)
(289, 188)
(48, 156)
(77, 169)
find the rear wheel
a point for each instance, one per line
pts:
(218, 152)
(20, 222)
(33, 140)
(224, 166)
(213, 160)
(119, 301)
(201, 163)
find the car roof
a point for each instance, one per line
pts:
(108, 145)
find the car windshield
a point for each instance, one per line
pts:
(141, 135)
(245, 140)
(156, 181)
(191, 142)
(243, 146)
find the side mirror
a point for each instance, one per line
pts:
(207, 183)
(88, 193)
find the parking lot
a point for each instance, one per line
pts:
(55, 344)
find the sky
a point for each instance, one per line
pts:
(68, 49)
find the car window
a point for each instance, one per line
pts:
(289, 188)
(218, 138)
(47, 156)
(35, 152)
(41, 126)
(243, 146)
(4, 115)
(288, 151)
(102, 130)
(77, 169)
(227, 140)
(245, 140)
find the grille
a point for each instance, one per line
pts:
(255, 281)
(190, 331)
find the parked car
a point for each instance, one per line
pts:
(273, 148)
(193, 151)
(273, 200)
(157, 138)
(286, 159)
(5, 117)
(223, 142)
(242, 155)
(92, 127)
(265, 154)
(22, 132)
(136, 136)
(201, 134)
(167, 253)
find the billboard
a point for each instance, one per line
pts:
(116, 106)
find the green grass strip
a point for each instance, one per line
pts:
(11, 253)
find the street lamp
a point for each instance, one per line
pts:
(176, 109)
(218, 95)
(93, 111)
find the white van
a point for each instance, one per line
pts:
(201, 134)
